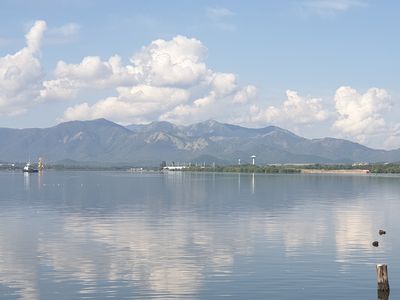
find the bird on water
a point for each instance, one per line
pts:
(382, 232)
(375, 243)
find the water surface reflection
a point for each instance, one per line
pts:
(189, 236)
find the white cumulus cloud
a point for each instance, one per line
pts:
(93, 72)
(58, 89)
(166, 80)
(177, 62)
(170, 80)
(136, 104)
(22, 78)
(35, 36)
(246, 93)
(361, 115)
(295, 110)
(21, 74)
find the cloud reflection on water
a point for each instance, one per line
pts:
(168, 259)
(173, 240)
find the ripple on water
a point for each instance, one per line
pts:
(97, 235)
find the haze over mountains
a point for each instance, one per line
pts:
(147, 145)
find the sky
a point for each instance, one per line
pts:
(316, 67)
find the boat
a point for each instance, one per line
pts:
(29, 168)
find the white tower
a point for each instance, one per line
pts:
(253, 157)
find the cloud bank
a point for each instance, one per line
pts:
(360, 115)
(21, 74)
(294, 110)
(170, 80)
(22, 78)
(166, 80)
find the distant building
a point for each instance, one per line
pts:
(174, 168)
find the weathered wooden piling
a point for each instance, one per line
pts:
(382, 278)
(383, 295)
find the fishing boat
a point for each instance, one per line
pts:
(29, 168)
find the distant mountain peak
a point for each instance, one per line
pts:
(103, 140)
(100, 121)
(272, 128)
(207, 123)
(161, 123)
(211, 122)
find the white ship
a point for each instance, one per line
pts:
(29, 168)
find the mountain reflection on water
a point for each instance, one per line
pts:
(190, 236)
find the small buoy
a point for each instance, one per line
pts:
(381, 232)
(375, 243)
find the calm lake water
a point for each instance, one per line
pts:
(98, 235)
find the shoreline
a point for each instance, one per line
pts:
(289, 169)
(338, 171)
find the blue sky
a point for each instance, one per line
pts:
(316, 67)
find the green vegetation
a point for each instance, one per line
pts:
(377, 168)
(332, 167)
(287, 169)
(373, 168)
(245, 169)
(385, 168)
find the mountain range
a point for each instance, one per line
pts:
(209, 141)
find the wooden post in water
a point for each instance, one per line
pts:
(382, 279)
(383, 295)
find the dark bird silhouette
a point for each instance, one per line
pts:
(375, 243)
(381, 232)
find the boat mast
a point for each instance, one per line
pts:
(40, 164)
